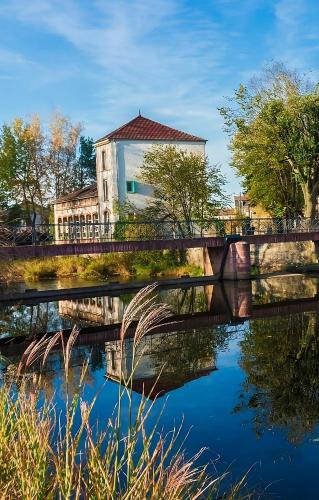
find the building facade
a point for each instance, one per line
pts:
(119, 156)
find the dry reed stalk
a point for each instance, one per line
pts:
(126, 463)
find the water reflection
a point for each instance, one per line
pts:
(247, 381)
(165, 361)
(280, 357)
(232, 300)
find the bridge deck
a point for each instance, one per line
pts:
(63, 249)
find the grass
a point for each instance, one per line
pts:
(122, 461)
(125, 265)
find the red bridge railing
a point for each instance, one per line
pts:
(124, 230)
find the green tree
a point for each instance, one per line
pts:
(86, 162)
(274, 129)
(38, 167)
(280, 359)
(185, 186)
(23, 173)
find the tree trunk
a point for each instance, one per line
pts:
(310, 199)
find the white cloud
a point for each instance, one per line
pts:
(296, 40)
(12, 58)
(158, 55)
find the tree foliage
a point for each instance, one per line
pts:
(185, 186)
(23, 173)
(37, 167)
(274, 129)
(280, 359)
(86, 162)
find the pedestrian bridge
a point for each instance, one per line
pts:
(226, 241)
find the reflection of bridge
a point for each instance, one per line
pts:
(132, 236)
(229, 303)
(180, 350)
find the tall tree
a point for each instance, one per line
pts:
(280, 358)
(274, 129)
(23, 173)
(185, 186)
(38, 167)
(86, 167)
(62, 154)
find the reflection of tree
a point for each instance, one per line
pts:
(281, 359)
(183, 355)
(187, 301)
(53, 369)
(23, 319)
(180, 300)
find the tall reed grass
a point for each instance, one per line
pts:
(42, 457)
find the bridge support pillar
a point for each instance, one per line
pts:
(237, 265)
(233, 299)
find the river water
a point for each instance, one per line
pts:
(241, 369)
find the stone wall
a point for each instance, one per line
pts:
(195, 257)
(269, 257)
(285, 287)
(280, 256)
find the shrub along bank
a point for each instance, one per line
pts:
(125, 265)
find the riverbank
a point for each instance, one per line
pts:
(140, 265)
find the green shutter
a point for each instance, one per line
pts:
(131, 186)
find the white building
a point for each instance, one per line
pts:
(119, 156)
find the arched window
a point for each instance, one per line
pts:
(106, 223)
(89, 226)
(77, 227)
(96, 225)
(103, 160)
(71, 227)
(106, 217)
(105, 190)
(83, 227)
(60, 229)
(65, 228)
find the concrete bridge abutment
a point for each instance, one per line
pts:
(232, 299)
(235, 265)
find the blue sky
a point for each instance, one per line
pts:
(99, 61)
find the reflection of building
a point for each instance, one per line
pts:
(100, 310)
(119, 156)
(107, 310)
(164, 361)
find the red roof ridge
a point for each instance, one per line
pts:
(141, 128)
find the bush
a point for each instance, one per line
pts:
(123, 264)
(40, 269)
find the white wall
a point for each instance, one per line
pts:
(130, 155)
(123, 160)
(109, 174)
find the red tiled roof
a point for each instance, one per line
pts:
(144, 129)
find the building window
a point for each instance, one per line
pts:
(103, 160)
(83, 226)
(77, 227)
(131, 186)
(96, 225)
(60, 230)
(89, 226)
(105, 190)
